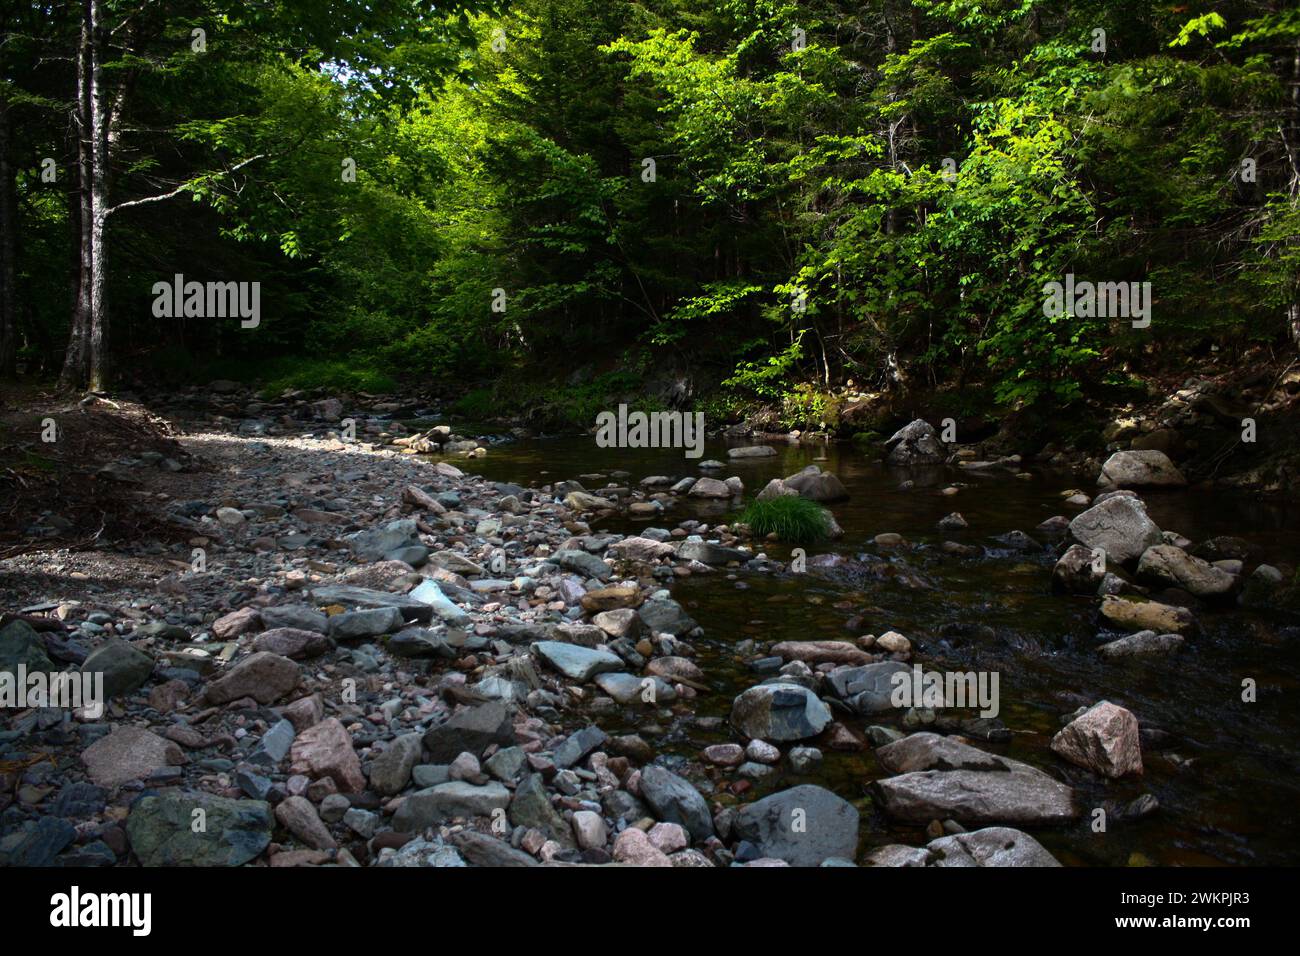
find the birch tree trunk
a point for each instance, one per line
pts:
(8, 247)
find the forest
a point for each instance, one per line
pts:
(744, 203)
(700, 434)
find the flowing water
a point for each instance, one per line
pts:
(1226, 775)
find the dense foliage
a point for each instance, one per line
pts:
(657, 198)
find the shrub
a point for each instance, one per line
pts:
(794, 519)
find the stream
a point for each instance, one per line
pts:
(1223, 770)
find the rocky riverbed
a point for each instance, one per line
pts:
(362, 656)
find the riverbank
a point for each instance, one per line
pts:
(347, 653)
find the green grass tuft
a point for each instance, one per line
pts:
(795, 520)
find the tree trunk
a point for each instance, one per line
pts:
(86, 362)
(75, 358)
(100, 367)
(8, 248)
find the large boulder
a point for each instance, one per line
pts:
(1103, 738)
(916, 443)
(752, 451)
(1140, 469)
(1169, 566)
(804, 826)
(779, 711)
(1119, 526)
(945, 778)
(162, 829)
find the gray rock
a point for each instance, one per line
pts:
(666, 616)
(804, 826)
(991, 846)
(456, 798)
(583, 563)
(483, 850)
(531, 808)
(1142, 644)
(507, 763)
(575, 662)
(1163, 564)
(354, 625)
(390, 772)
(630, 689)
(373, 543)
(274, 745)
(37, 844)
(162, 832)
(947, 779)
(293, 643)
(425, 853)
(818, 486)
(20, 644)
(578, 745)
(125, 668)
(1119, 526)
(916, 443)
(1076, 571)
(263, 676)
(868, 688)
(1140, 469)
(675, 800)
(707, 553)
(297, 616)
(472, 730)
(412, 610)
(779, 711)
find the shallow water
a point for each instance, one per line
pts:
(1231, 799)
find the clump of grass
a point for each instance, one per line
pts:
(794, 519)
